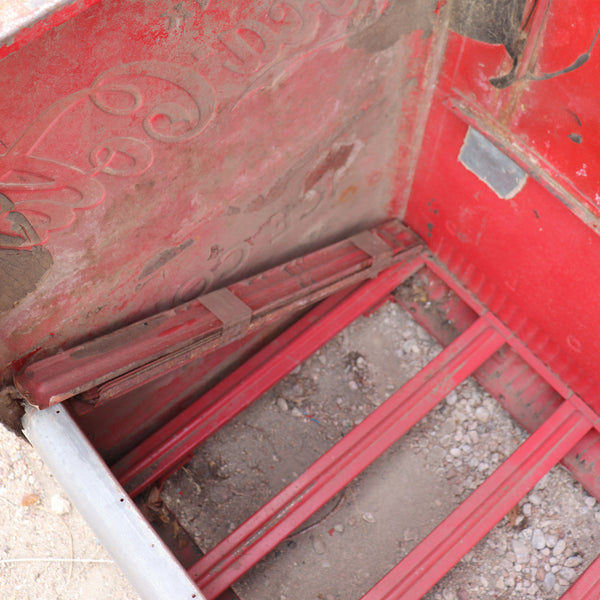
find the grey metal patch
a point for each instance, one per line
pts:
(491, 165)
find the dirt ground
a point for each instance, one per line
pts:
(47, 551)
(353, 541)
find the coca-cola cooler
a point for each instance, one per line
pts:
(196, 195)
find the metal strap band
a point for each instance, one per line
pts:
(231, 311)
(376, 248)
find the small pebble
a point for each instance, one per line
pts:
(353, 385)
(59, 505)
(296, 412)
(452, 398)
(521, 551)
(535, 499)
(574, 561)
(559, 548)
(368, 517)
(282, 404)
(549, 582)
(474, 437)
(482, 415)
(538, 541)
(568, 573)
(318, 546)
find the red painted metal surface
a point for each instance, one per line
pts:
(144, 350)
(587, 586)
(523, 257)
(520, 389)
(422, 568)
(157, 456)
(336, 468)
(165, 149)
(203, 142)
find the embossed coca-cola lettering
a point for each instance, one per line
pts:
(15, 229)
(117, 99)
(261, 50)
(252, 45)
(167, 121)
(125, 157)
(44, 192)
(297, 26)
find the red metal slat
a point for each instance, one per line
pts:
(163, 451)
(147, 349)
(587, 586)
(516, 344)
(422, 568)
(345, 460)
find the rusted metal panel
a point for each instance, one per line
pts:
(198, 143)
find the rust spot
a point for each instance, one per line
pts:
(399, 18)
(347, 194)
(163, 258)
(335, 160)
(20, 273)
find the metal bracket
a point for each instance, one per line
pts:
(376, 248)
(231, 311)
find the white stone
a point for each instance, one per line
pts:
(482, 415)
(535, 499)
(368, 517)
(538, 540)
(559, 548)
(521, 551)
(574, 561)
(59, 505)
(451, 398)
(549, 582)
(568, 574)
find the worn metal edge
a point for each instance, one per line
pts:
(116, 521)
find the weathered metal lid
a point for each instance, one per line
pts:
(23, 20)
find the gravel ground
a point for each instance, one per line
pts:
(47, 551)
(534, 553)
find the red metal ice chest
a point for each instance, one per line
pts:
(181, 180)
